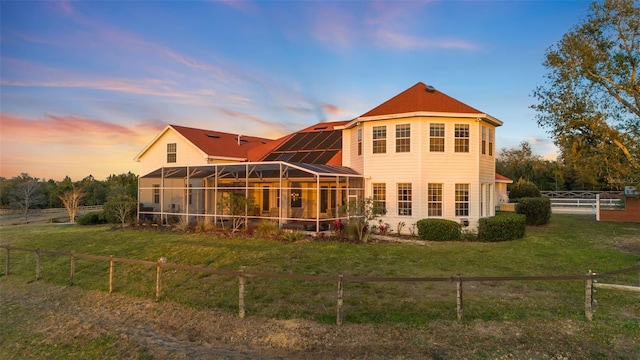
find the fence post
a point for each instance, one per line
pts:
(7, 261)
(73, 267)
(38, 276)
(588, 296)
(159, 277)
(340, 315)
(110, 274)
(460, 305)
(241, 283)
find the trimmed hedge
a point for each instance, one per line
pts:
(503, 227)
(92, 218)
(536, 209)
(439, 230)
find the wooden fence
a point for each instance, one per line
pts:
(590, 279)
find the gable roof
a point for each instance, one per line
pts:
(213, 144)
(423, 100)
(317, 144)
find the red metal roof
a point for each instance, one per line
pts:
(220, 144)
(503, 178)
(421, 98)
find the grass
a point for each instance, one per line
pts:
(569, 245)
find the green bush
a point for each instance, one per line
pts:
(536, 209)
(92, 218)
(439, 230)
(506, 226)
(267, 230)
(522, 189)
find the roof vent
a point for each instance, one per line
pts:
(320, 128)
(213, 136)
(430, 88)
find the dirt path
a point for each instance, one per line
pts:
(45, 314)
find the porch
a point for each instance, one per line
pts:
(294, 195)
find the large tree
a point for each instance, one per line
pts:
(590, 102)
(26, 193)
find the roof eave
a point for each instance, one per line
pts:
(488, 118)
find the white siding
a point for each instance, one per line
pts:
(156, 156)
(421, 167)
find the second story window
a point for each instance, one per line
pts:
(379, 139)
(491, 141)
(403, 138)
(462, 138)
(436, 137)
(484, 140)
(172, 153)
(359, 142)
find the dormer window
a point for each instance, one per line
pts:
(172, 152)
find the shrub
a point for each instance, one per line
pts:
(523, 188)
(506, 226)
(92, 218)
(266, 229)
(536, 209)
(293, 236)
(439, 230)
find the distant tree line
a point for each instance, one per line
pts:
(25, 192)
(561, 174)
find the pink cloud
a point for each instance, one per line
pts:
(401, 41)
(386, 24)
(57, 146)
(71, 131)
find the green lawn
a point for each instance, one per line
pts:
(569, 245)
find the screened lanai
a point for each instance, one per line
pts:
(293, 195)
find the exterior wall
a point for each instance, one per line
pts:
(630, 214)
(420, 167)
(156, 156)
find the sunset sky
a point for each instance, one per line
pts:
(86, 85)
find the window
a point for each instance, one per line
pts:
(434, 200)
(462, 199)
(404, 199)
(491, 141)
(380, 195)
(436, 137)
(403, 138)
(462, 138)
(379, 139)
(359, 142)
(172, 152)
(156, 193)
(484, 140)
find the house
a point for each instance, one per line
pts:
(420, 154)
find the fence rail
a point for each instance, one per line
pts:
(590, 278)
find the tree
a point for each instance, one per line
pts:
(522, 163)
(361, 212)
(119, 208)
(590, 102)
(26, 193)
(71, 201)
(237, 206)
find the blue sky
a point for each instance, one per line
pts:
(86, 85)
